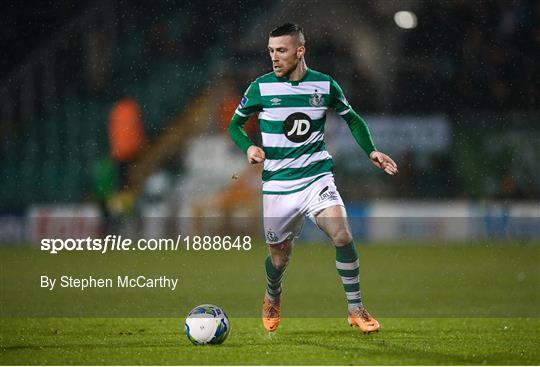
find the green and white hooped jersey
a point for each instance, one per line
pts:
(292, 115)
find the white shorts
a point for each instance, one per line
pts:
(284, 214)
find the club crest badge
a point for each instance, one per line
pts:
(316, 99)
(271, 236)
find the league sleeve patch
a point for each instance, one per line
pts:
(244, 101)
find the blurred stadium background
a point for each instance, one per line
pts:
(118, 109)
(112, 120)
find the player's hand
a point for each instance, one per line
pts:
(384, 162)
(255, 154)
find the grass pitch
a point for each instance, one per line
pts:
(327, 341)
(460, 304)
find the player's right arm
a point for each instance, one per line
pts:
(250, 103)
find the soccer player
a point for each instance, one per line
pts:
(292, 101)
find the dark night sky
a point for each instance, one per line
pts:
(26, 24)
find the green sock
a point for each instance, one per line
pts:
(348, 269)
(273, 280)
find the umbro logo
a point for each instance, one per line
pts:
(275, 101)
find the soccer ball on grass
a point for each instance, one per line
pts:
(207, 324)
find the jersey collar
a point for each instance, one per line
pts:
(293, 82)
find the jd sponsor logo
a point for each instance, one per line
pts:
(297, 127)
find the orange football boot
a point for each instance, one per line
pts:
(360, 318)
(270, 315)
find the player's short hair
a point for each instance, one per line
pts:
(289, 29)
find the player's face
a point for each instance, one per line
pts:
(285, 52)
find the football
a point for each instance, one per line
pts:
(207, 324)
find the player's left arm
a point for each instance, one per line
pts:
(361, 134)
(360, 130)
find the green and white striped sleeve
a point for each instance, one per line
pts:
(249, 104)
(337, 99)
(251, 101)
